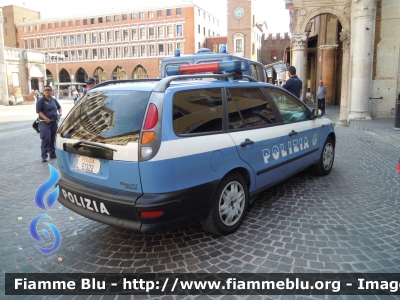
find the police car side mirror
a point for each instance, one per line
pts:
(316, 113)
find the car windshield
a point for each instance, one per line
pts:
(111, 117)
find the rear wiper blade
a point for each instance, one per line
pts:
(80, 143)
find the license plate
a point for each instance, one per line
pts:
(88, 164)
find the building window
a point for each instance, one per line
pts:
(178, 11)
(92, 21)
(94, 38)
(151, 32)
(151, 50)
(70, 24)
(84, 22)
(133, 16)
(170, 48)
(142, 33)
(15, 79)
(73, 58)
(199, 28)
(169, 12)
(72, 40)
(170, 31)
(101, 37)
(160, 30)
(37, 27)
(199, 12)
(109, 36)
(102, 53)
(51, 42)
(65, 40)
(117, 36)
(116, 18)
(87, 54)
(94, 53)
(239, 45)
(159, 13)
(50, 26)
(141, 15)
(160, 49)
(6, 30)
(79, 54)
(108, 19)
(134, 51)
(78, 23)
(32, 44)
(62, 24)
(58, 41)
(79, 39)
(109, 53)
(179, 46)
(125, 35)
(124, 17)
(143, 50)
(43, 26)
(100, 20)
(86, 38)
(118, 52)
(204, 31)
(134, 34)
(150, 15)
(179, 30)
(126, 51)
(38, 43)
(56, 25)
(5, 19)
(209, 34)
(26, 44)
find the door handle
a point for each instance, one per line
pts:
(292, 133)
(247, 142)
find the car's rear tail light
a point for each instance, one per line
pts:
(151, 117)
(151, 214)
(148, 137)
(215, 67)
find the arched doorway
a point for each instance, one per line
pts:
(37, 75)
(65, 83)
(139, 72)
(81, 75)
(100, 75)
(119, 73)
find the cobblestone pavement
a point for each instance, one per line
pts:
(347, 221)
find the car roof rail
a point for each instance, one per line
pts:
(165, 82)
(121, 81)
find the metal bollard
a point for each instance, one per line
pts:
(397, 113)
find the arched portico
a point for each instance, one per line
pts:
(357, 20)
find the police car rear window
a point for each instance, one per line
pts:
(111, 117)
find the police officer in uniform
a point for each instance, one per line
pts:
(49, 111)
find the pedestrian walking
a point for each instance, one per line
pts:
(322, 91)
(90, 83)
(293, 84)
(49, 111)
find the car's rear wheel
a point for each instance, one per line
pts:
(325, 163)
(229, 205)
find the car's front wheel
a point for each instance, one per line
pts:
(229, 205)
(325, 163)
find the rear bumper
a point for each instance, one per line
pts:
(122, 209)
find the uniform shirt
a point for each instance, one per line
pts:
(322, 90)
(48, 107)
(293, 85)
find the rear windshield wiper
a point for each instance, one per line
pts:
(79, 144)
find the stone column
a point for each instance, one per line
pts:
(3, 68)
(364, 12)
(328, 61)
(299, 61)
(344, 101)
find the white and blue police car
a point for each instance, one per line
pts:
(156, 154)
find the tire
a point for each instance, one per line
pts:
(229, 205)
(325, 163)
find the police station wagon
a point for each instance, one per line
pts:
(152, 155)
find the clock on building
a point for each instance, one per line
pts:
(238, 13)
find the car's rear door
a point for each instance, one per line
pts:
(255, 129)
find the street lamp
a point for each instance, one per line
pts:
(71, 78)
(57, 56)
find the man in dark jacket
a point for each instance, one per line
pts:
(49, 111)
(293, 84)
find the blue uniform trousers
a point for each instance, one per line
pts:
(48, 136)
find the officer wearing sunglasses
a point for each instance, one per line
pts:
(49, 111)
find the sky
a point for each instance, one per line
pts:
(273, 11)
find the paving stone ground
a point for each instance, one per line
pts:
(347, 221)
